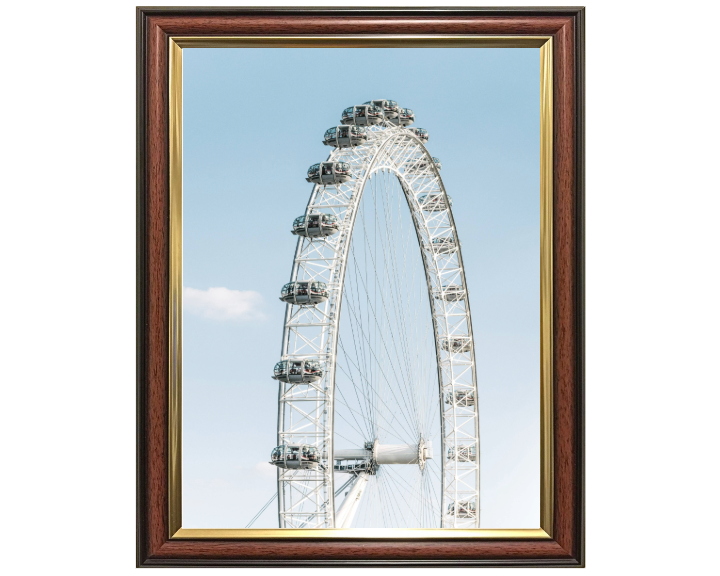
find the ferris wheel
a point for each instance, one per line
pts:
(377, 408)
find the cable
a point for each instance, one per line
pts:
(262, 510)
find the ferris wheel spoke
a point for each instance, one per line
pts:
(398, 512)
(372, 309)
(437, 473)
(407, 313)
(385, 503)
(377, 324)
(434, 511)
(396, 292)
(398, 478)
(344, 438)
(425, 502)
(351, 287)
(385, 378)
(413, 308)
(402, 495)
(361, 434)
(371, 387)
(393, 432)
(367, 390)
(391, 502)
(390, 430)
(363, 379)
(434, 494)
(367, 419)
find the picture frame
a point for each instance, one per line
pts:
(161, 34)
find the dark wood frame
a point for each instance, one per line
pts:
(154, 26)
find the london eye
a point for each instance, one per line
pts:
(377, 422)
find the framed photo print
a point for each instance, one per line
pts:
(360, 286)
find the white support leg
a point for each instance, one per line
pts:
(344, 516)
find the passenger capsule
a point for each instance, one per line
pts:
(329, 173)
(345, 136)
(450, 293)
(456, 344)
(465, 509)
(420, 133)
(365, 115)
(315, 225)
(298, 371)
(433, 202)
(418, 166)
(462, 398)
(463, 453)
(389, 107)
(295, 456)
(304, 293)
(445, 245)
(405, 117)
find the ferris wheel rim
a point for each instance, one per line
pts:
(371, 167)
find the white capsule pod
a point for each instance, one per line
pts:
(465, 509)
(450, 293)
(421, 133)
(462, 398)
(444, 245)
(390, 108)
(345, 136)
(295, 456)
(463, 453)
(456, 344)
(304, 293)
(315, 225)
(421, 165)
(433, 202)
(365, 115)
(329, 173)
(298, 371)
(405, 117)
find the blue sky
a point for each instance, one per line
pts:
(253, 122)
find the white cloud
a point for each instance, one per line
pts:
(223, 304)
(263, 470)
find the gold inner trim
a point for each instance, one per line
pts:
(546, 292)
(546, 288)
(175, 320)
(361, 41)
(363, 533)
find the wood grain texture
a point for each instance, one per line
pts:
(154, 388)
(154, 548)
(306, 25)
(563, 288)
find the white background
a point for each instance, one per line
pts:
(68, 315)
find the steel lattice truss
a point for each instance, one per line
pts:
(306, 410)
